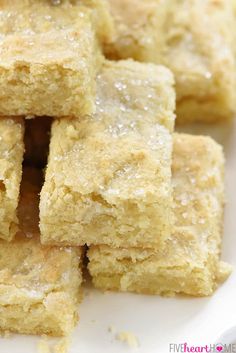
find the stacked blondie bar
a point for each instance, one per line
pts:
(145, 201)
(194, 39)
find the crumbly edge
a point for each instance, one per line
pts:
(11, 170)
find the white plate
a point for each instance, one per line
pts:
(157, 322)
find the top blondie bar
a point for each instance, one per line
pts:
(193, 38)
(49, 58)
(108, 179)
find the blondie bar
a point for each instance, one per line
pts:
(189, 263)
(11, 156)
(49, 58)
(39, 286)
(108, 179)
(194, 39)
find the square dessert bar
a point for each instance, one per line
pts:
(194, 39)
(49, 58)
(39, 286)
(11, 156)
(189, 263)
(108, 179)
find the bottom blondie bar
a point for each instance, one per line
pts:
(190, 261)
(39, 286)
